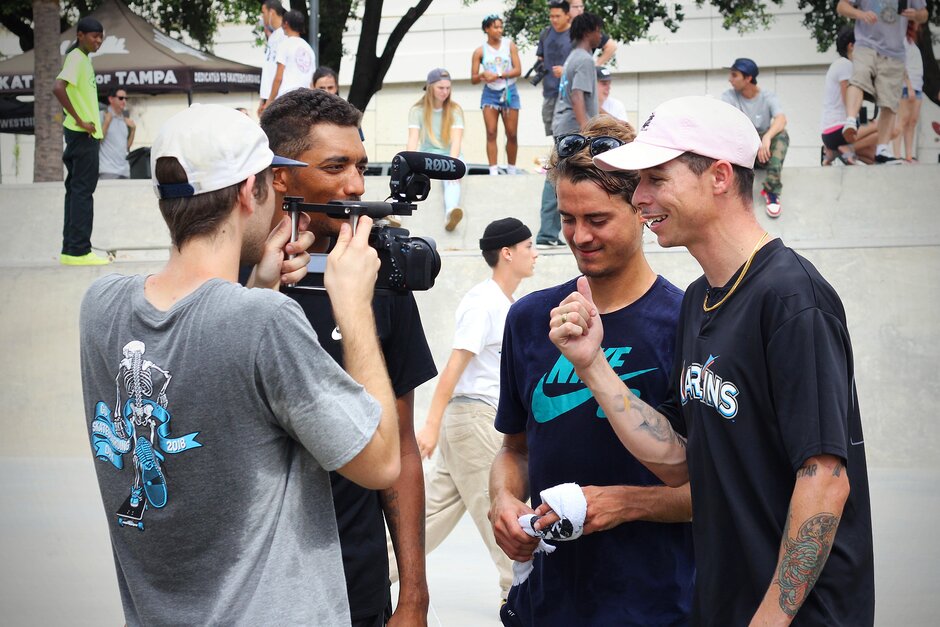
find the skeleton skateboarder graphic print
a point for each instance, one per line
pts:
(138, 431)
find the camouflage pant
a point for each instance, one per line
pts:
(778, 152)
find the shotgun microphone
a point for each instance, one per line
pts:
(431, 165)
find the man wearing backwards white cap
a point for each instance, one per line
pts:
(763, 415)
(216, 477)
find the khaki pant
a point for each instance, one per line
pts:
(878, 75)
(458, 481)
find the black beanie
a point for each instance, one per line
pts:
(505, 232)
(89, 25)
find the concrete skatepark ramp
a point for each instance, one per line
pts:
(874, 232)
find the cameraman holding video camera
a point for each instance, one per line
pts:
(213, 454)
(322, 130)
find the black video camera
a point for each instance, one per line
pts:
(407, 263)
(537, 72)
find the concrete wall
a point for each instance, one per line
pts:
(690, 61)
(873, 232)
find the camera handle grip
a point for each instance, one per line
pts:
(294, 228)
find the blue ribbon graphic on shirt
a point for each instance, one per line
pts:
(107, 444)
(162, 417)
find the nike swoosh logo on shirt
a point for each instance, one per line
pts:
(547, 408)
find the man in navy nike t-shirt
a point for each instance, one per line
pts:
(634, 564)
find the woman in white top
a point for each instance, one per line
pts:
(496, 64)
(435, 124)
(835, 146)
(912, 94)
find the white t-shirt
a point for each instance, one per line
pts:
(299, 62)
(833, 107)
(269, 67)
(615, 108)
(481, 317)
(914, 64)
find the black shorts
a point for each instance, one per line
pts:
(834, 139)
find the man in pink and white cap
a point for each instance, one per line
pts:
(763, 416)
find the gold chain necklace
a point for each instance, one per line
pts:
(740, 277)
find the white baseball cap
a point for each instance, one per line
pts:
(699, 124)
(217, 147)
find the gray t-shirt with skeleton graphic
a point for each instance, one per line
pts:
(213, 426)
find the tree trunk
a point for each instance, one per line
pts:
(334, 14)
(47, 164)
(370, 69)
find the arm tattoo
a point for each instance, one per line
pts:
(837, 471)
(803, 559)
(652, 423)
(806, 471)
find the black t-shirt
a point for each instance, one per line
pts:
(358, 510)
(759, 385)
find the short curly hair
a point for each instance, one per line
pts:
(287, 120)
(584, 25)
(580, 166)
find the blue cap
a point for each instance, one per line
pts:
(746, 67)
(280, 161)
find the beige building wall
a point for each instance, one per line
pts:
(690, 61)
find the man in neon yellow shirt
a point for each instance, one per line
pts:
(76, 89)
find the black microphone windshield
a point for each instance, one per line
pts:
(432, 165)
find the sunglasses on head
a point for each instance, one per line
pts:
(570, 144)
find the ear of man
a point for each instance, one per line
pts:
(281, 180)
(722, 177)
(246, 199)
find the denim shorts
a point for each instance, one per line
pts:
(500, 99)
(918, 95)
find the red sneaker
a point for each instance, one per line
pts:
(773, 203)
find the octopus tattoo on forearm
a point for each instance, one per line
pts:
(803, 559)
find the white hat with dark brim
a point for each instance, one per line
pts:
(217, 147)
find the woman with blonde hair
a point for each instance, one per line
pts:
(435, 124)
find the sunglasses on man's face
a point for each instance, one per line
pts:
(570, 144)
(120, 97)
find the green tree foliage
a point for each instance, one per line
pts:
(630, 20)
(199, 19)
(624, 21)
